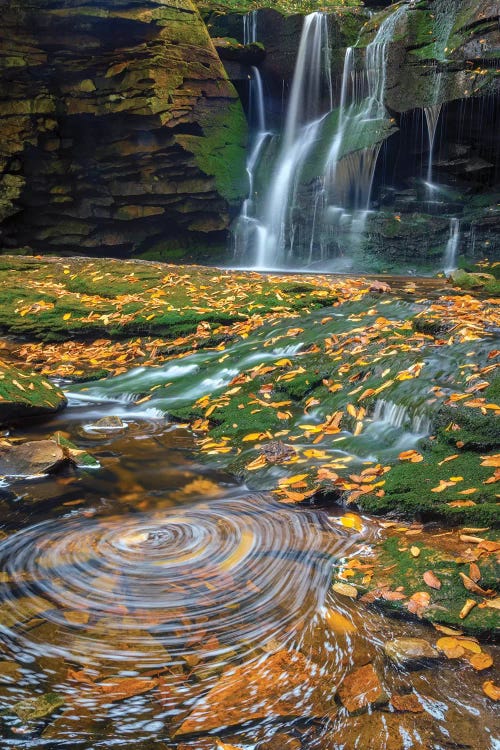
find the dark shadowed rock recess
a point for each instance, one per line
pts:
(120, 130)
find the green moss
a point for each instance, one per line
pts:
(25, 395)
(447, 602)
(408, 488)
(221, 151)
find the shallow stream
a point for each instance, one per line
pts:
(130, 591)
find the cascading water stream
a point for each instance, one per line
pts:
(432, 114)
(345, 184)
(305, 112)
(451, 250)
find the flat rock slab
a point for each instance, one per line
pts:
(31, 459)
(283, 684)
(410, 651)
(362, 689)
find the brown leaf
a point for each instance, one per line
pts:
(119, 688)
(345, 589)
(474, 572)
(418, 603)
(470, 585)
(481, 661)
(432, 580)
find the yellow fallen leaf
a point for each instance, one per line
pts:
(491, 690)
(338, 622)
(468, 606)
(481, 661)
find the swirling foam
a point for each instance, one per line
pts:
(226, 575)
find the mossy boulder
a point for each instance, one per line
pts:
(27, 395)
(399, 566)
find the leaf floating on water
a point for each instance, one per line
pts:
(468, 607)
(491, 690)
(345, 589)
(481, 661)
(431, 580)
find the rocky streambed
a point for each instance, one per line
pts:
(272, 524)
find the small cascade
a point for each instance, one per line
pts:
(398, 417)
(250, 27)
(451, 250)
(257, 105)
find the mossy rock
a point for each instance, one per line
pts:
(396, 568)
(27, 395)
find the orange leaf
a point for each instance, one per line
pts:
(491, 690)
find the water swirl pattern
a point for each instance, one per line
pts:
(235, 573)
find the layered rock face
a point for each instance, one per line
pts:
(121, 132)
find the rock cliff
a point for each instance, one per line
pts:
(121, 132)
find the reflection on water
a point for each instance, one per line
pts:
(154, 602)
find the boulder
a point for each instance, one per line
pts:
(410, 652)
(24, 395)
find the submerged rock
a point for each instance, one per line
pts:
(273, 686)
(410, 651)
(38, 707)
(362, 689)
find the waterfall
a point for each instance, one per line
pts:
(350, 177)
(432, 114)
(296, 216)
(304, 116)
(450, 253)
(257, 106)
(250, 27)
(246, 235)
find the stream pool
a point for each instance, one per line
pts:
(154, 603)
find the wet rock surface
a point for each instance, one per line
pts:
(31, 459)
(362, 689)
(410, 652)
(249, 692)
